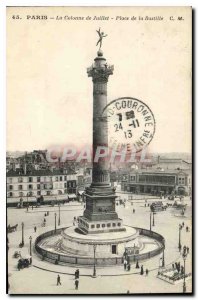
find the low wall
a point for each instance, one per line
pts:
(88, 261)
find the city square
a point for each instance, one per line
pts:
(41, 276)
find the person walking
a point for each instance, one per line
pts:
(58, 280)
(125, 264)
(137, 265)
(142, 270)
(77, 273)
(128, 267)
(76, 284)
(147, 271)
(35, 228)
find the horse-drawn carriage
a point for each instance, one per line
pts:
(12, 228)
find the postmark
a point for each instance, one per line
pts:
(131, 123)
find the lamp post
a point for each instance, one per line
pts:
(55, 223)
(30, 238)
(59, 214)
(150, 220)
(27, 201)
(153, 219)
(94, 269)
(184, 255)
(163, 260)
(179, 244)
(22, 240)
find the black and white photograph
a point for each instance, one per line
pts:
(99, 195)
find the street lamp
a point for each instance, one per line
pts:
(59, 214)
(22, 240)
(27, 200)
(184, 255)
(153, 219)
(163, 260)
(94, 269)
(150, 220)
(30, 238)
(55, 222)
(179, 244)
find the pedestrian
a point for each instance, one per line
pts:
(30, 260)
(137, 265)
(58, 280)
(125, 264)
(180, 248)
(183, 224)
(184, 249)
(142, 270)
(76, 284)
(186, 228)
(173, 266)
(147, 271)
(129, 267)
(77, 273)
(35, 228)
(187, 250)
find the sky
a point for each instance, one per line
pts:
(49, 95)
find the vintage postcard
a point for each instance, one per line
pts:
(99, 157)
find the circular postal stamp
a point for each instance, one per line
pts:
(131, 123)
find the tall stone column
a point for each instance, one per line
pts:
(100, 215)
(100, 72)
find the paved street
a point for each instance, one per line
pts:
(41, 276)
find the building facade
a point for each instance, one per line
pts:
(37, 183)
(157, 182)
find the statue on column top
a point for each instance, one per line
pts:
(101, 36)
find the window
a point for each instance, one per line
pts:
(10, 180)
(92, 226)
(38, 193)
(30, 186)
(20, 179)
(10, 194)
(132, 178)
(56, 178)
(38, 186)
(119, 224)
(109, 225)
(98, 225)
(65, 185)
(61, 178)
(65, 178)
(38, 179)
(20, 187)
(10, 187)
(114, 224)
(103, 225)
(30, 179)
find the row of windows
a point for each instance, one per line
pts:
(44, 186)
(30, 179)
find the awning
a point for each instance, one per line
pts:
(71, 196)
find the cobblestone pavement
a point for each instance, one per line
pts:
(41, 276)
